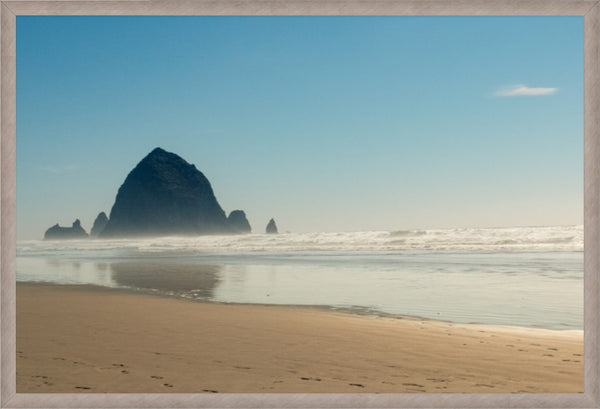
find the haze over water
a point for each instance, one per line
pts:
(524, 276)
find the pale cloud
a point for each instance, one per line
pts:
(524, 91)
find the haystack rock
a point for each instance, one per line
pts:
(272, 227)
(238, 222)
(165, 195)
(74, 232)
(99, 224)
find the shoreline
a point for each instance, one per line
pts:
(351, 310)
(84, 338)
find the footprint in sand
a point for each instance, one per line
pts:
(120, 365)
(242, 367)
(552, 349)
(413, 384)
(310, 379)
(210, 390)
(168, 385)
(124, 371)
(156, 377)
(360, 385)
(548, 355)
(82, 387)
(483, 384)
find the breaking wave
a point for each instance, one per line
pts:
(556, 238)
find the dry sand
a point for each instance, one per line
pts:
(88, 339)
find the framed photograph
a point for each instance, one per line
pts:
(300, 204)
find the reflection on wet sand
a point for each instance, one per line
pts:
(198, 281)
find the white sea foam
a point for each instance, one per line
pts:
(556, 238)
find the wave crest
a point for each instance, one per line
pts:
(560, 238)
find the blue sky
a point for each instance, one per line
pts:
(324, 123)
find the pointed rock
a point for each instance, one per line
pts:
(238, 222)
(165, 195)
(272, 227)
(99, 224)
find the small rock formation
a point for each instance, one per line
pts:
(165, 195)
(272, 227)
(238, 222)
(99, 224)
(57, 233)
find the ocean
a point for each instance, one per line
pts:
(522, 276)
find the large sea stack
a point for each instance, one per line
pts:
(59, 233)
(165, 195)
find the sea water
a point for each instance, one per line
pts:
(523, 276)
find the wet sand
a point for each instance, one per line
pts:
(91, 339)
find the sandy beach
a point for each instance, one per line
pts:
(91, 339)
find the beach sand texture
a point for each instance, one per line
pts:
(91, 339)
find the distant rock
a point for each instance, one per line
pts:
(165, 195)
(272, 227)
(238, 222)
(99, 224)
(60, 233)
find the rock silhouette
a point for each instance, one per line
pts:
(74, 232)
(99, 224)
(238, 222)
(165, 195)
(272, 227)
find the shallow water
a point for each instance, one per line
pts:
(523, 276)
